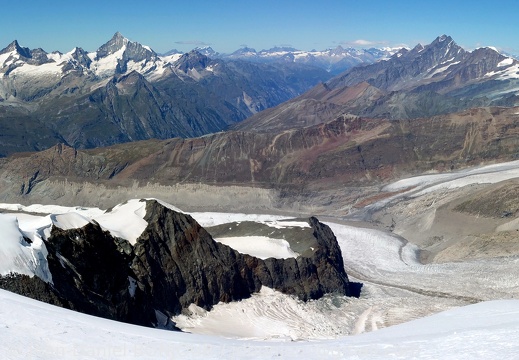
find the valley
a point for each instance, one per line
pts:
(384, 251)
(401, 249)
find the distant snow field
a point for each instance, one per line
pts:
(479, 175)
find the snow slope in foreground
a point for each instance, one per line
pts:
(35, 330)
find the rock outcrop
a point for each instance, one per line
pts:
(90, 273)
(178, 263)
(173, 264)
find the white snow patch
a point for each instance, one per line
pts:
(170, 58)
(484, 174)
(442, 69)
(125, 220)
(19, 257)
(37, 70)
(260, 246)
(506, 62)
(15, 252)
(269, 315)
(488, 47)
(13, 55)
(69, 220)
(53, 209)
(286, 224)
(207, 219)
(105, 67)
(510, 72)
(142, 67)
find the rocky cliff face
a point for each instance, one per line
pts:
(174, 263)
(178, 263)
(90, 274)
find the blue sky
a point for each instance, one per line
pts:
(229, 24)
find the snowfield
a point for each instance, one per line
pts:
(125, 220)
(33, 330)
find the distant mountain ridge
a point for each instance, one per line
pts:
(124, 91)
(438, 78)
(334, 60)
(327, 163)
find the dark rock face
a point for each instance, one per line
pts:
(90, 273)
(179, 263)
(174, 263)
(32, 287)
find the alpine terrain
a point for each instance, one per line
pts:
(124, 91)
(350, 204)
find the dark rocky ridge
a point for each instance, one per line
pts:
(32, 287)
(90, 273)
(218, 273)
(174, 263)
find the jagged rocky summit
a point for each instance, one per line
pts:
(172, 264)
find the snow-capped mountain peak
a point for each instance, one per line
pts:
(443, 37)
(117, 43)
(207, 51)
(16, 48)
(244, 52)
(192, 59)
(120, 55)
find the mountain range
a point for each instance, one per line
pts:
(435, 79)
(125, 91)
(334, 60)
